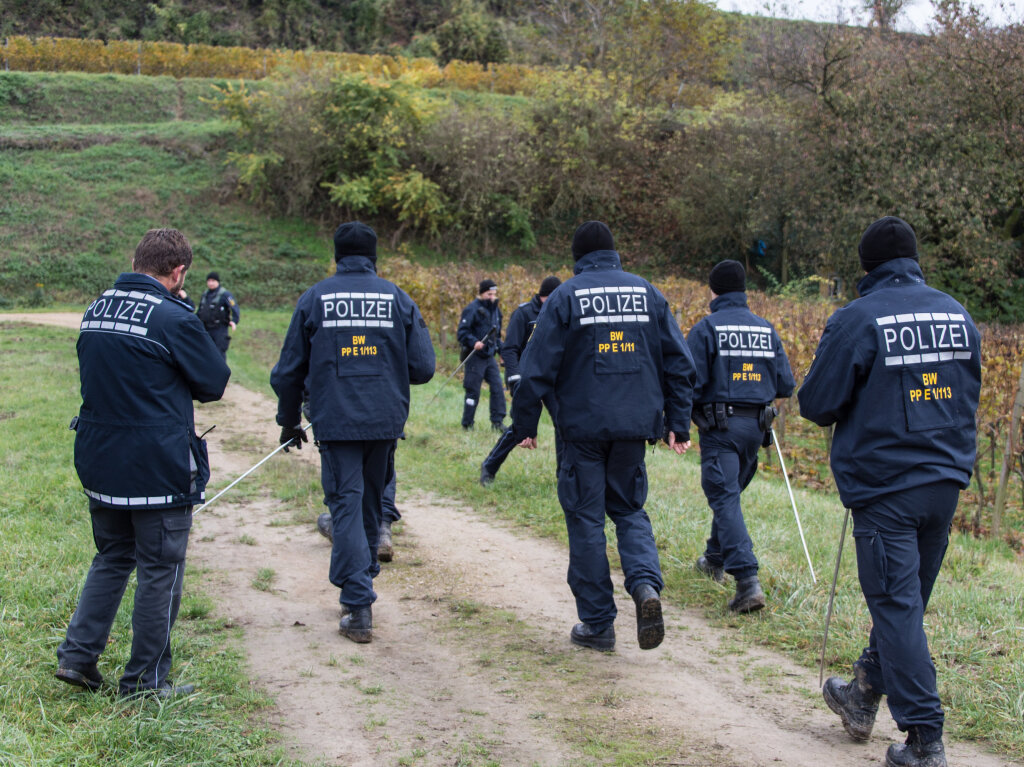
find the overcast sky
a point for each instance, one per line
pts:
(916, 15)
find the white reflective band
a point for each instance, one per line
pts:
(332, 296)
(137, 295)
(117, 327)
(516, 377)
(913, 359)
(618, 318)
(744, 328)
(611, 289)
(470, 402)
(154, 299)
(140, 500)
(745, 353)
(358, 324)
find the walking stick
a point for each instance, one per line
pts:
(792, 500)
(831, 601)
(277, 450)
(454, 372)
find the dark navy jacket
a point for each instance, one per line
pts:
(218, 307)
(478, 318)
(738, 356)
(520, 327)
(143, 358)
(362, 341)
(608, 347)
(898, 371)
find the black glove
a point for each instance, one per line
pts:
(293, 434)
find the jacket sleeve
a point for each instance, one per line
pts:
(678, 374)
(200, 362)
(419, 349)
(784, 383)
(233, 308)
(512, 349)
(828, 388)
(698, 342)
(538, 367)
(465, 330)
(289, 374)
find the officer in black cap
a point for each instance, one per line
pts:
(219, 312)
(143, 359)
(898, 371)
(741, 369)
(608, 349)
(361, 341)
(520, 328)
(479, 334)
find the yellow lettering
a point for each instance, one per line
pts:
(346, 351)
(616, 335)
(927, 394)
(748, 365)
(603, 347)
(615, 348)
(915, 395)
(358, 340)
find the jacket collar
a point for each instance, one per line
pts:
(598, 259)
(736, 298)
(356, 264)
(139, 281)
(898, 273)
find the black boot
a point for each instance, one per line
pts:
(86, 677)
(914, 753)
(384, 550)
(650, 628)
(856, 702)
(583, 634)
(749, 596)
(325, 527)
(357, 624)
(486, 478)
(714, 572)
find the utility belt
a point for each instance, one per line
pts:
(712, 416)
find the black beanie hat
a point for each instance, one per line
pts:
(486, 285)
(548, 286)
(728, 277)
(886, 239)
(354, 238)
(213, 276)
(591, 236)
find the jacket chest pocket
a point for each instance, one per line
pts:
(360, 354)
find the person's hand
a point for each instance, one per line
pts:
(679, 447)
(294, 435)
(232, 325)
(530, 443)
(478, 345)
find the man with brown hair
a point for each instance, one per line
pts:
(143, 358)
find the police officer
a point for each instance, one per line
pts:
(143, 357)
(898, 371)
(361, 341)
(520, 328)
(479, 334)
(606, 346)
(219, 311)
(741, 368)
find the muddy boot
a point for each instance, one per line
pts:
(357, 624)
(486, 478)
(714, 572)
(914, 753)
(583, 635)
(650, 628)
(384, 550)
(749, 596)
(856, 702)
(325, 527)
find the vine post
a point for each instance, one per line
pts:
(1009, 455)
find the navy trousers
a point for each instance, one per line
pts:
(506, 444)
(388, 509)
(352, 475)
(728, 461)
(152, 542)
(477, 370)
(901, 540)
(599, 478)
(221, 336)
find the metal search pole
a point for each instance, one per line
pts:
(250, 471)
(455, 372)
(792, 500)
(831, 601)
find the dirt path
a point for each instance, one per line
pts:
(471, 662)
